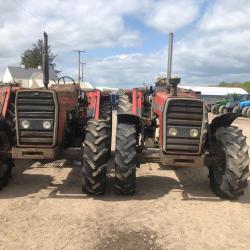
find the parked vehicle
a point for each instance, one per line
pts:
(61, 121)
(243, 108)
(170, 125)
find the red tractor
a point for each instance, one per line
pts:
(171, 124)
(61, 121)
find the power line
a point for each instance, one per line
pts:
(79, 63)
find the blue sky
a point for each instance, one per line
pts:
(126, 41)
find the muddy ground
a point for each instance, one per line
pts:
(43, 208)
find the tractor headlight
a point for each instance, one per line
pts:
(194, 132)
(172, 132)
(25, 124)
(47, 124)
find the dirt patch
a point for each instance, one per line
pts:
(129, 240)
(43, 208)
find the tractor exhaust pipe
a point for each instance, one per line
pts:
(45, 61)
(172, 82)
(170, 54)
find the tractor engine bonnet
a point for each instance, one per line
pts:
(183, 126)
(245, 104)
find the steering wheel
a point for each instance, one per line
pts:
(65, 77)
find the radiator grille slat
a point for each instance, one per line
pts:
(183, 122)
(35, 106)
(183, 114)
(31, 114)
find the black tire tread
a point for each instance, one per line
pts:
(10, 118)
(8, 162)
(95, 157)
(106, 114)
(124, 105)
(125, 159)
(234, 180)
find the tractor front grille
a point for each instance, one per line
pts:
(183, 115)
(36, 107)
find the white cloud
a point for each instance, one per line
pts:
(227, 15)
(70, 24)
(216, 49)
(170, 15)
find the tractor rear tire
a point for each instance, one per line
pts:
(215, 109)
(10, 119)
(124, 105)
(95, 157)
(229, 178)
(106, 114)
(248, 113)
(244, 111)
(6, 164)
(125, 159)
(106, 111)
(237, 110)
(222, 110)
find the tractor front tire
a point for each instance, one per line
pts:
(95, 157)
(228, 178)
(215, 109)
(244, 111)
(6, 166)
(125, 159)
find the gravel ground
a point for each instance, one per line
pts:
(43, 208)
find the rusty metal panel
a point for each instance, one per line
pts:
(34, 153)
(182, 160)
(94, 98)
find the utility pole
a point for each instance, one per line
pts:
(82, 63)
(79, 63)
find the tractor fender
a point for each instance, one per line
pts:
(128, 118)
(224, 120)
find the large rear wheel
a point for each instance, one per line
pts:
(244, 111)
(124, 105)
(106, 114)
(125, 158)
(6, 164)
(228, 176)
(95, 157)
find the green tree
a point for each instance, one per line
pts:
(32, 58)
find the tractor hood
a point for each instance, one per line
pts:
(231, 105)
(244, 104)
